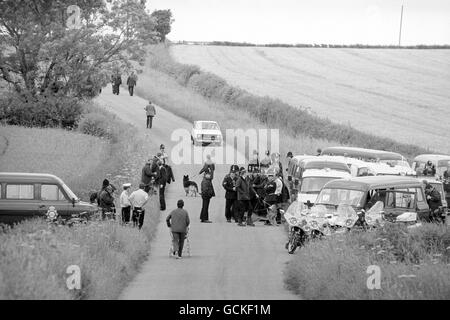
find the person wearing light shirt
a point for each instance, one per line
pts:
(125, 203)
(138, 199)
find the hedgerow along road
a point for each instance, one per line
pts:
(227, 261)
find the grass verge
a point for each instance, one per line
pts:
(414, 264)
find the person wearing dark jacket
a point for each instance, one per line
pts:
(178, 221)
(207, 193)
(430, 169)
(433, 198)
(107, 201)
(131, 83)
(161, 181)
(229, 184)
(117, 81)
(148, 175)
(244, 191)
(170, 176)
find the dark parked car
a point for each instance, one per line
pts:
(27, 195)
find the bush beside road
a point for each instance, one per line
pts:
(414, 264)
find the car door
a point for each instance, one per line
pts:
(398, 202)
(54, 195)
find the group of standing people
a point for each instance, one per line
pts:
(246, 190)
(131, 203)
(156, 174)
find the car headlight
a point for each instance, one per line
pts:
(306, 228)
(349, 222)
(293, 220)
(314, 224)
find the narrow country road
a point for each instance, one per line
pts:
(227, 262)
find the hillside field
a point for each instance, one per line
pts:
(400, 94)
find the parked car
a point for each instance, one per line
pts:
(28, 195)
(206, 133)
(397, 195)
(313, 180)
(440, 161)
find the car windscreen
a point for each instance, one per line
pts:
(69, 192)
(208, 126)
(338, 197)
(314, 184)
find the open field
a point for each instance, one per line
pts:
(401, 94)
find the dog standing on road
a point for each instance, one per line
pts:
(190, 187)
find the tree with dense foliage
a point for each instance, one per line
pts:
(163, 19)
(68, 48)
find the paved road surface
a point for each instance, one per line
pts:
(227, 262)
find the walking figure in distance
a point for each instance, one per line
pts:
(151, 112)
(131, 83)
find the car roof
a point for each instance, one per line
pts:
(324, 173)
(373, 182)
(22, 177)
(322, 162)
(206, 121)
(431, 157)
(368, 153)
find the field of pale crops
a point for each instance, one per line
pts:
(401, 94)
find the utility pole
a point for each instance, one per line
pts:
(400, 33)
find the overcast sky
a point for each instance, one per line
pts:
(309, 21)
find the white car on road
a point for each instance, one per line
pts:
(206, 133)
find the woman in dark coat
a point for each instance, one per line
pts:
(207, 193)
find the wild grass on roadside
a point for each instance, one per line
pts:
(35, 258)
(414, 264)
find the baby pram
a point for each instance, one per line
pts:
(186, 247)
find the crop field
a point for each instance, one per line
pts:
(400, 94)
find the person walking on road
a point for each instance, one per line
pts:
(138, 200)
(178, 222)
(207, 190)
(208, 166)
(151, 112)
(125, 203)
(131, 83)
(244, 191)
(229, 184)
